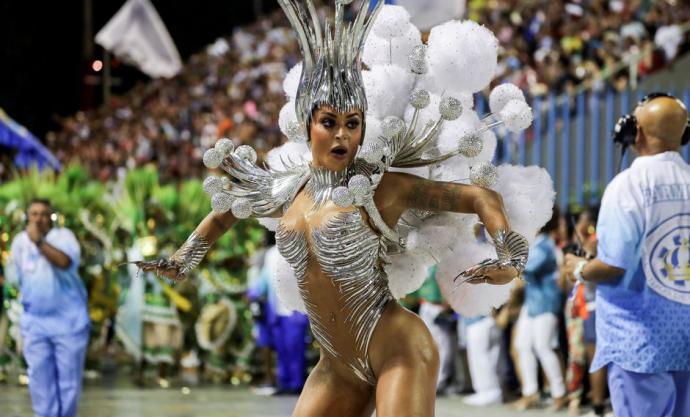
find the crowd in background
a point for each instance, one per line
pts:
(233, 89)
(559, 45)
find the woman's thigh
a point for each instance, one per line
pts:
(406, 362)
(327, 393)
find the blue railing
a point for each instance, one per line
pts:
(571, 138)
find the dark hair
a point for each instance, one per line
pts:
(592, 212)
(36, 200)
(552, 224)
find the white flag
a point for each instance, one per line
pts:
(136, 34)
(428, 13)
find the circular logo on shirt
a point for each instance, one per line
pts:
(666, 259)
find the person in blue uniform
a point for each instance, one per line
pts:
(55, 323)
(286, 330)
(642, 270)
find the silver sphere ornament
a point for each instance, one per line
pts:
(213, 185)
(241, 208)
(221, 202)
(342, 197)
(225, 146)
(247, 153)
(417, 60)
(372, 151)
(420, 99)
(450, 108)
(212, 158)
(392, 126)
(359, 186)
(484, 175)
(471, 145)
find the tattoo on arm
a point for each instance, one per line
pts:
(435, 196)
(450, 198)
(219, 224)
(416, 197)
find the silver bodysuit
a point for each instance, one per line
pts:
(352, 255)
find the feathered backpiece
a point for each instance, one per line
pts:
(332, 72)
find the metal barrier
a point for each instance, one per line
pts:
(571, 138)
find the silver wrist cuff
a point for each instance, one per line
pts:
(512, 249)
(190, 255)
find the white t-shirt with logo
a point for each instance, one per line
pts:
(643, 317)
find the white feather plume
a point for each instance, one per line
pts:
(388, 89)
(462, 56)
(291, 82)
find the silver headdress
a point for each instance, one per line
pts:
(331, 74)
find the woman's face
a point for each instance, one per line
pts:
(335, 138)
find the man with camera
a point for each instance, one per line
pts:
(643, 267)
(55, 322)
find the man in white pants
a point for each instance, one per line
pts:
(437, 316)
(483, 348)
(537, 327)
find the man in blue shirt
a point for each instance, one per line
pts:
(643, 271)
(287, 330)
(55, 322)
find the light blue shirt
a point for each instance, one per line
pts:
(542, 294)
(54, 299)
(643, 317)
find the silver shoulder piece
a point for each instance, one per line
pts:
(255, 191)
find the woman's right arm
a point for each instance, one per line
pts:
(215, 225)
(192, 252)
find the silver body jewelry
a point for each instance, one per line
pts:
(352, 255)
(184, 260)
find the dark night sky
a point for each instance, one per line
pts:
(41, 49)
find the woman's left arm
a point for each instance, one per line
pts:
(412, 192)
(423, 194)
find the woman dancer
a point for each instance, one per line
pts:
(339, 224)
